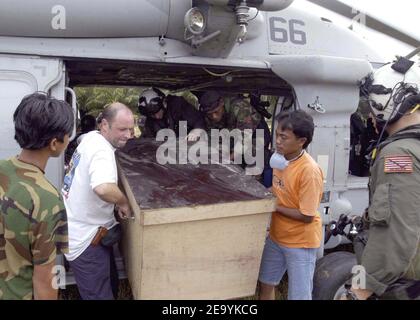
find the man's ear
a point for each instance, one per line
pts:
(302, 141)
(53, 144)
(104, 124)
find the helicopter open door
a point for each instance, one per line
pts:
(20, 76)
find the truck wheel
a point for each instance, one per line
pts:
(331, 273)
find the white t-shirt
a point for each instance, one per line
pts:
(92, 164)
(80, 138)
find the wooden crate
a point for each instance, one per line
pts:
(195, 251)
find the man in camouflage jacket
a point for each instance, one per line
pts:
(234, 113)
(33, 222)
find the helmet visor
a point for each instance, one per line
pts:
(148, 108)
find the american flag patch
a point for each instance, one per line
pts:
(399, 164)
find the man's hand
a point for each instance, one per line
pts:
(193, 135)
(124, 211)
(42, 281)
(362, 294)
(356, 294)
(110, 192)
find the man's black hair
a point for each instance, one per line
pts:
(39, 119)
(209, 101)
(299, 122)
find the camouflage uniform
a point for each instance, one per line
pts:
(392, 254)
(33, 226)
(239, 114)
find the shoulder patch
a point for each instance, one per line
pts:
(398, 164)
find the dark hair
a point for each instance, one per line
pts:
(87, 123)
(299, 122)
(209, 101)
(39, 119)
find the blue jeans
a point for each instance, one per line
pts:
(300, 266)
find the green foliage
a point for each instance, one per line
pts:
(93, 99)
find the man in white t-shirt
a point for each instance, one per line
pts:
(90, 194)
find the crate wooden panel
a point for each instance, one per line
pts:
(204, 249)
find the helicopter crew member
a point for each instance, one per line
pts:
(166, 112)
(234, 113)
(391, 257)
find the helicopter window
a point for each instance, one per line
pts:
(287, 104)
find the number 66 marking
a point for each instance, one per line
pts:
(279, 34)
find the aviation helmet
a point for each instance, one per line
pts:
(392, 90)
(150, 101)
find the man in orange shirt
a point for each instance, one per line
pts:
(295, 231)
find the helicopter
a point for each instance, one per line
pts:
(269, 47)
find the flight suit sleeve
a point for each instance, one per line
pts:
(182, 110)
(146, 128)
(393, 219)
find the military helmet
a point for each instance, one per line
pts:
(389, 88)
(151, 101)
(209, 101)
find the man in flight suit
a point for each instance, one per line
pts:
(391, 257)
(166, 112)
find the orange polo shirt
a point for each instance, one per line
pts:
(299, 186)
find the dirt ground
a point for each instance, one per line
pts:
(124, 292)
(71, 292)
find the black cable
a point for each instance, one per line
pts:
(258, 11)
(387, 121)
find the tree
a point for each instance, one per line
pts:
(92, 100)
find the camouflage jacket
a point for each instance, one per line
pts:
(239, 114)
(33, 226)
(392, 251)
